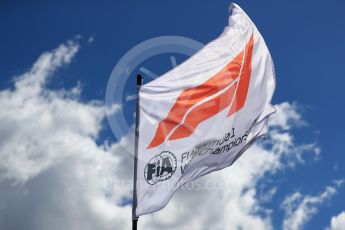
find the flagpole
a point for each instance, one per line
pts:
(137, 118)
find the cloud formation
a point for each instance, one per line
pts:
(51, 167)
(299, 209)
(54, 175)
(338, 222)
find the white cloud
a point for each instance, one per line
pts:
(91, 39)
(338, 222)
(51, 169)
(54, 175)
(287, 116)
(300, 209)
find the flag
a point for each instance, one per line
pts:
(202, 115)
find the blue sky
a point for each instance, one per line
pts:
(305, 38)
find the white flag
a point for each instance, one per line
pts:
(202, 115)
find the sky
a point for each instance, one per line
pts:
(62, 167)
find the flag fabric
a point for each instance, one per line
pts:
(202, 115)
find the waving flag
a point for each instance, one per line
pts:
(202, 115)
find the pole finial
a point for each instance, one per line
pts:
(139, 79)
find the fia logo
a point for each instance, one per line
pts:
(160, 168)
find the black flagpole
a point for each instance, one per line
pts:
(134, 217)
